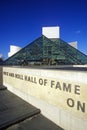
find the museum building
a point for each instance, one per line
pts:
(48, 49)
(58, 93)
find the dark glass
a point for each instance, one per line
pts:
(44, 51)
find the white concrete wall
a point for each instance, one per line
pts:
(51, 32)
(13, 50)
(61, 95)
(74, 44)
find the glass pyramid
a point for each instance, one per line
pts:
(44, 51)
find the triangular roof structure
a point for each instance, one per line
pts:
(45, 51)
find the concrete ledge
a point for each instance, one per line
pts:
(61, 94)
(3, 88)
(39, 122)
(13, 109)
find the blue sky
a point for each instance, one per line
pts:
(21, 21)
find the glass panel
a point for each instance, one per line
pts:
(45, 51)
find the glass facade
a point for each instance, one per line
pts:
(44, 51)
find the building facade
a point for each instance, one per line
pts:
(48, 49)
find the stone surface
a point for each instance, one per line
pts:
(17, 114)
(13, 109)
(38, 122)
(60, 93)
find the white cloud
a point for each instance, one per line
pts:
(78, 32)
